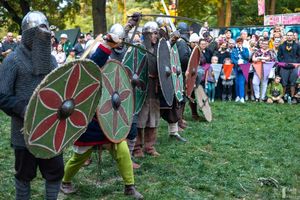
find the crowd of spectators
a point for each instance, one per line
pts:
(280, 48)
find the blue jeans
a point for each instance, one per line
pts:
(210, 90)
(239, 84)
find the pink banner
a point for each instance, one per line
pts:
(267, 66)
(245, 69)
(285, 19)
(261, 7)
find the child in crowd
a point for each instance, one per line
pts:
(71, 56)
(275, 91)
(210, 81)
(227, 83)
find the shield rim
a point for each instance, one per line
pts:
(174, 75)
(203, 106)
(98, 114)
(170, 102)
(33, 97)
(189, 69)
(136, 110)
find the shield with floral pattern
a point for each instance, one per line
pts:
(177, 77)
(61, 107)
(116, 106)
(191, 72)
(134, 62)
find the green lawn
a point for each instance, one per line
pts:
(222, 160)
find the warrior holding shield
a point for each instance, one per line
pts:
(97, 132)
(20, 73)
(148, 117)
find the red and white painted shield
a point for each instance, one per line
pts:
(61, 107)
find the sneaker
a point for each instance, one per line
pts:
(213, 100)
(246, 98)
(237, 99)
(252, 98)
(242, 100)
(67, 188)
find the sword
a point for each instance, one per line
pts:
(167, 12)
(170, 16)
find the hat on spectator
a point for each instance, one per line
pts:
(194, 38)
(63, 35)
(81, 35)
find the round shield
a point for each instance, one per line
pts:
(116, 106)
(202, 101)
(177, 77)
(165, 71)
(134, 63)
(61, 107)
(191, 72)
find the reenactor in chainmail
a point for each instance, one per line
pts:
(149, 116)
(20, 74)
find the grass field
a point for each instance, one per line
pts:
(240, 155)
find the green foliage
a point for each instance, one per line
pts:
(222, 160)
(57, 11)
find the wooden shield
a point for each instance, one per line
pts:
(116, 106)
(202, 101)
(61, 107)
(165, 71)
(134, 62)
(177, 77)
(191, 72)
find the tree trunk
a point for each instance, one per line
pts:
(99, 16)
(14, 14)
(221, 14)
(228, 13)
(272, 7)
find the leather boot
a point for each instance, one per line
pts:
(181, 122)
(130, 190)
(138, 147)
(150, 140)
(195, 115)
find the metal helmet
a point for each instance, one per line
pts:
(118, 30)
(33, 19)
(183, 27)
(161, 21)
(150, 27)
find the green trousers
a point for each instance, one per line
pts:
(120, 153)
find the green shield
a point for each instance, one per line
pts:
(134, 62)
(177, 77)
(116, 106)
(61, 107)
